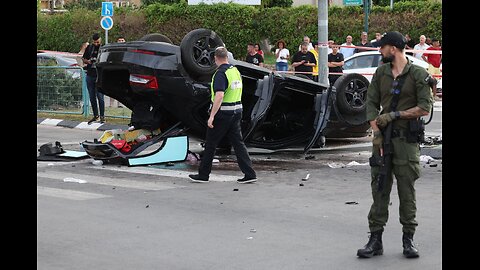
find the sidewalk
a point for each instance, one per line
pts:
(78, 124)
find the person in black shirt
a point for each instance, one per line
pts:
(304, 60)
(253, 57)
(363, 43)
(89, 58)
(335, 64)
(410, 44)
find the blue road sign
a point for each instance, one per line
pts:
(106, 22)
(107, 9)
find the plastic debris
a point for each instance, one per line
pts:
(301, 184)
(215, 160)
(253, 230)
(341, 165)
(235, 189)
(351, 202)
(306, 177)
(425, 158)
(249, 238)
(97, 162)
(75, 180)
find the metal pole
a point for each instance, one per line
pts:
(366, 4)
(391, 4)
(106, 36)
(323, 42)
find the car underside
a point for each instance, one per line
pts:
(168, 87)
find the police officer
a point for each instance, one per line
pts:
(224, 120)
(414, 101)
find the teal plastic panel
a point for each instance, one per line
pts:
(173, 149)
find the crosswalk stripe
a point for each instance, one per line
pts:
(109, 181)
(165, 172)
(69, 194)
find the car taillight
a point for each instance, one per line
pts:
(142, 51)
(147, 81)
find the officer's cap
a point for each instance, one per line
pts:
(393, 38)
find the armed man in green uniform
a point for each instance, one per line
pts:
(404, 86)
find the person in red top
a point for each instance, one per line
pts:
(258, 50)
(434, 59)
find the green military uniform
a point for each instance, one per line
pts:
(406, 156)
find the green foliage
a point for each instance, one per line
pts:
(87, 4)
(165, 2)
(276, 3)
(238, 24)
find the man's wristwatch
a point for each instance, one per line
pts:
(397, 114)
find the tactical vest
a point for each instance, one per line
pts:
(232, 98)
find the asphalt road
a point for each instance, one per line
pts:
(151, 217)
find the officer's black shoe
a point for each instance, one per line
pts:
(373, 247)
(409, 249)
(197, 178)
(246, 179)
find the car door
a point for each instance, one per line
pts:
(362, 64)
(324, 96)
(323, 105)
(264, 93)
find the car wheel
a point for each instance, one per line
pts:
(198, 48)
(351, 93)
(156, 37)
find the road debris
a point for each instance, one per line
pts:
(75, 180)
(351, 202)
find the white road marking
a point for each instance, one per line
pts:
(51, 122)
(168, 173)
(69, 194)
(109, 181)
(85, 125)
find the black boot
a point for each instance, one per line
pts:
(409, 250)
(373, 247)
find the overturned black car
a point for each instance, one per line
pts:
(168, 87)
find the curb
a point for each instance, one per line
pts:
(78, 124)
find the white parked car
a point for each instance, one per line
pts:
(366, 63)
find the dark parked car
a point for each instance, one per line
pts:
(168, 87)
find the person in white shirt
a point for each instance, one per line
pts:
(347, 51)
(330, 43)
(282, 55)
(421, 46)
(306, 39)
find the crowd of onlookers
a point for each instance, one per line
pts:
(305, 60)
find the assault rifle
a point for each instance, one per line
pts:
(386, 159)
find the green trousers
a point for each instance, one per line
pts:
(406, 168)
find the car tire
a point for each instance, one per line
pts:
(156, 37)
(351, 93)
(198, 48)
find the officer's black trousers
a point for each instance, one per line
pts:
(226, 124)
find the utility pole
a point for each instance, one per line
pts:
(366, 9)
(323, 42)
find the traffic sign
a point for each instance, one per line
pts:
(106, 22)
(107, 9)
(352, 2)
